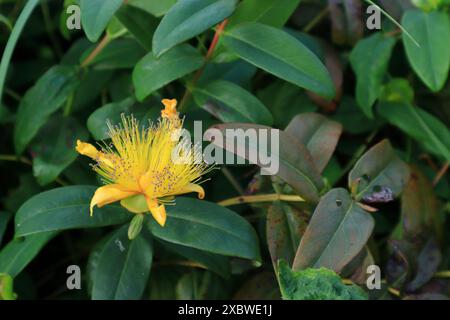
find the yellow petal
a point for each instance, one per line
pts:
(192, 187)
(109, 194)
(170, 110)
(87, 149)
(158, 211)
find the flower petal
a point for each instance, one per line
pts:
(109, 194)
(158, 211)
(192, 187)
(87, 149)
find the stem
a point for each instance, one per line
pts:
(14, 158)
(101, 45)
(260, 198)
(440, 174)
(212, 47)
(317, 19)
(49, 28)
(232, 180)
(442, 274)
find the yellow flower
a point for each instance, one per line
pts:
(138, 168)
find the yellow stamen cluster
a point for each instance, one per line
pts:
(140, 162)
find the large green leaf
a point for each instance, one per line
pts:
(5, 217)
(295, 164)
(151, 74)
(188, 18)
(209, 227)
(123, 266)
(156, 8)
(44, 98)
(279, 53)
(65, 208)
(431, 61)
(139, 23)
(54, 149)
(336, 233)
(370, 61)
(420, 125)
(379, 173)
(271, 12)
(318, 134)
(18, 253)
(96, 15)
(315, 284)
(230, 103)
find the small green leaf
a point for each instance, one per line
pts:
(135, 226)
(370, 60)
(378, 168)
(65, 208)
(43, 99)
(96, 15)
(336, 233)
(315, 284)
(6, 287)
(431, 61)
(151, 74)
(188, 18)
(279, 53)
(230, 103)
(18, 253)
(209, 227)
(123, 266)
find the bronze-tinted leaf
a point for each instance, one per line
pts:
(347, 25)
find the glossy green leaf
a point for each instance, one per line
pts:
(123, 266)
(271, 12)
(284, 228)
(54, 149)
(295, 164)
(18, 253)
(315, 284)
(336, 233)
(318, 134)
(188, 18)
(156, 8)
(370, 61)
(65, 208)
(420, 125)
(44, 98)
(431, 61)
(139, 23)
(209, 227)
(378, 168)
(5, 217)
(96, 14)
(277, 52)
(231, 103)
(151, 74)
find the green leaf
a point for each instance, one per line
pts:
(188, 18)
(284, 228)
(200, 285)
(378, 168)
(209, 227)
(97, 121)
(123, 266)
(156, 8)
(54, 149)
(65, 208)
(214, 262)
(139, 23)
(6, 287)
(12, 41)
(431, 61)
(5, 217)
(370, 60)
(43, 99)
(230, 103)
(18, 253)
(315, 284)
(151, 74)
(336, 233)
(397, 90)
(96, 15)
(296, 166)
(420, 125)
(271, 12)
(279, 53)
(318, 134)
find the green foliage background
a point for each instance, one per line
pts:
(365, 141)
